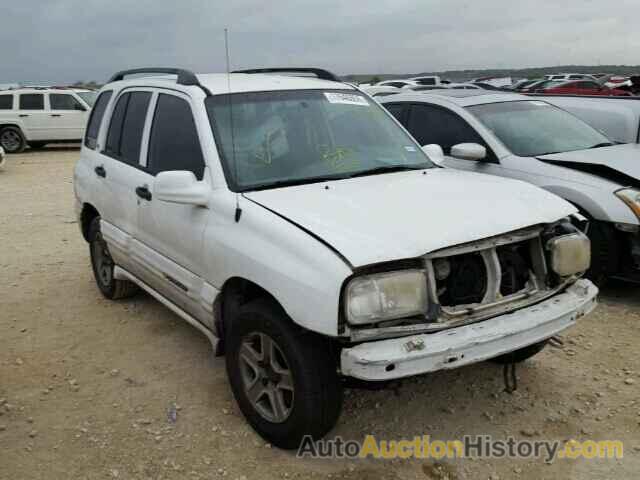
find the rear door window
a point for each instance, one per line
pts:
(174, 143)
(6, 102)
(124, 137)
(32, 101)
(95, 119)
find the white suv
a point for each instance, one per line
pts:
(297, 225)
(37, 116)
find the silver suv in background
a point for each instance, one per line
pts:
(528, 139)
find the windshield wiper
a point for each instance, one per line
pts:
(387, 169)
(294, 181)
(600, 145)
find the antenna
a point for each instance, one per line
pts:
(233, 140)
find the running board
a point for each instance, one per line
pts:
(120, 273)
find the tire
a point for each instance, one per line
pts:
(604, 252)
(36, 145)
(301, 374)
(103, 266)
(12, 140)
(521, 355)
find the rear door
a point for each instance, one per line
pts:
(169, 238)
(68, 117)
(121, 172)
(34, 117)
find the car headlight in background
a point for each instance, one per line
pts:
(631, 197)
(386, 296)
(570, 254)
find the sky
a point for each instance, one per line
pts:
(69, 40)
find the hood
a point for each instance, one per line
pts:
(618, 163)
(403, 215)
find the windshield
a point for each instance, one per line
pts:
(88, 97)
(532, 128)
(293, 137)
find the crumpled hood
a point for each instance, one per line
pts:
(407, 214)
(624, 159)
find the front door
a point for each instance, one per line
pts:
(169, 237)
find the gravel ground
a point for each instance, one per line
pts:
(86, 384)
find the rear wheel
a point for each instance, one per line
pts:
(521, 355)
(103, 266)
(12, 140)
(283, 378)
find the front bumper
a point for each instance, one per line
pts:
(417, 354)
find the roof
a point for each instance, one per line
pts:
(463, 98)
(218, 83)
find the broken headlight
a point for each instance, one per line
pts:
(386, 296)
(631, 197)
(570, 254)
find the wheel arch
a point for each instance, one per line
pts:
(235, 292)
(89, 212)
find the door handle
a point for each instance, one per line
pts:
(56, 115)
(22, 115)
(144, 193)
(100, 171)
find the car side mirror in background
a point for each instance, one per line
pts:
(181, 187)
(434, 152)
(82, 108)
(469, 151)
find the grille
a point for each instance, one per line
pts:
(495, 274)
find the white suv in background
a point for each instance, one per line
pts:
(37, 116)
(309, 237)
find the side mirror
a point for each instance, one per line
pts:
(79, 107)
(469, 151)
(434, 152)
(181, 187)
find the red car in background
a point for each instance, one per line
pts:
(583, 87)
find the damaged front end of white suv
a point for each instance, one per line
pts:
(467, 303)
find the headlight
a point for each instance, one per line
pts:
(386, 296)
(570, 254)
(631, 197)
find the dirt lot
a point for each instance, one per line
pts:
(86, 384)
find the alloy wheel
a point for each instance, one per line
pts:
(266, 377)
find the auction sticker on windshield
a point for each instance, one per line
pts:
(347, 98)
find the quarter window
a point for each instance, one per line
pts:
(6, 102)
(174, 143)
(32, 101)
(63, 101)
(93, 127)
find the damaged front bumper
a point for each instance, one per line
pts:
(455, 347)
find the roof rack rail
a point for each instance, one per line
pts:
(185, 77)
(318, 72)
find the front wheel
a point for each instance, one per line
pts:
(283, 378)
(103, 266)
